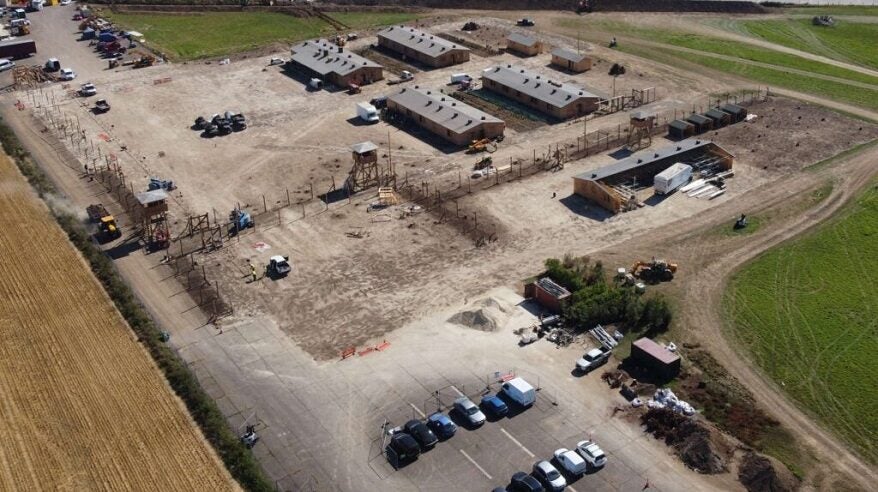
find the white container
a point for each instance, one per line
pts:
(367, 112)
(520, 391)
(457, 78)
(672, 178)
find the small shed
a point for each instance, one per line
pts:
(719, 118)
(550, 295)
(652, 356)
(570, 60)
(700, 122)
(523, 44)
(679, 129)
(736, 113)
(88, 33)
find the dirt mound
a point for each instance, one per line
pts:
(488, 315)
(762, 474)
(691, 441)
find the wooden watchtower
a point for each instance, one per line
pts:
(640, 130)
(364, 174)
(152, 215)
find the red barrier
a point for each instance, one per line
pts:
(348, 352)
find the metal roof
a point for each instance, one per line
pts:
(733, 109)
(519, 38)
(644, 158)
(443, 110)
(420, 41)
(680, 125)
(569, 55)
(698, 119)
(716, 114)
(552, 288)
(147, 197)
(363, 147)
(656, 351)
(324, 58)
(554, 93)
(642, 115)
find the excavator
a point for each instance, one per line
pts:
(483, 145)
(142, 60)
(654, 271)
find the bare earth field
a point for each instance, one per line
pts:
(84, 407)
(360, 278)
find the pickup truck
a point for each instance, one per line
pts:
(593, 358)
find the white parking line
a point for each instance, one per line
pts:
(422, 414)
(459, 393)
(476, 465)
(571, 489)
(516, 442)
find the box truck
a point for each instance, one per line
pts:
(18, 49)
(672, 178)
(519, 391)
(367, 112)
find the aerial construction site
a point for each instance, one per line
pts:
(596, 245)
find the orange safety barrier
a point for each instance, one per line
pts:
(348, 352)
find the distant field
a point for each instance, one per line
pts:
(214, 34)
(862, 10)
(808, 314)
(846, 41)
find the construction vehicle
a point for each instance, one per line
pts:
(142, 60)
(525, 22)
(101, 106)
(654, 271)
(250, 437)
(240, 220)
(19, 27)
(279, 266)
(741, 223)
(483, 145)
(483, 163)
(236, 120)
(161, 184)
(107, 228)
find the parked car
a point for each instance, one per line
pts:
(403, 447)
(67, 74)
(570, 461)
(419, 430)
(6, 64)
(549, 475)
(441, 425)
(592, 453)
(522, 482)
(87, 90)
(493, 404)
(593, 358)
(66, 2)
(469, 410)
(520, 391)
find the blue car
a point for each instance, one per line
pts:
(441, 425)
(495, 405)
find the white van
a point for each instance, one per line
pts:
(457, 78)
(520, 391)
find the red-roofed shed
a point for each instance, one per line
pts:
(648, 354)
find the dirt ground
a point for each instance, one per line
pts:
(84, 406)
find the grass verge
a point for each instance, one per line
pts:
(236, 457)
(806, 312)
(847, 41)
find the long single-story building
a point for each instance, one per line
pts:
(332, 64)
(556, 99)
(609, 185)
(444, 116)
(523, 44)
(421, 46)
(571, 60)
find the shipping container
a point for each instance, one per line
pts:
(672, 178)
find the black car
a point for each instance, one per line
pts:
(403, 447)
(419, 430)
(522, 482)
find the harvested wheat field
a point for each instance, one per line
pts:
(83, 406)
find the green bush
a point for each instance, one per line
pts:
(236, 457)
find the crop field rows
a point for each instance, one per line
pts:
(84, 407)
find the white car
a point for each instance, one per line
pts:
(548, 474)
(468, 409)
(67, 74)
(592, 453)
(88, 90)
(65, 2)
(6, 64)
(570, 461)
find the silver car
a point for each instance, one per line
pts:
(549, 475)
(468, 409)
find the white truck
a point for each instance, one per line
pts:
(520, 391)
(592, 359)
(367, 112)
(457, 78)
(672, 178)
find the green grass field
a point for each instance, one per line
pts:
(847, 41)
(808, 313)
(861, 10)
(213, 34)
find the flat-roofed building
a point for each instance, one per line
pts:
(571, 60)
(421, 46)
(556, 99)
(444, 116)
(333, 64)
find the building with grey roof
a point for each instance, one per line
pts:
(571, 60)
(444, 116)
(608, 185)
(554, 98)
(421, 46)
(333, 64)
(523, 44)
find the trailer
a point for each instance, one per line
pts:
(18, 49)
(672, 178)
